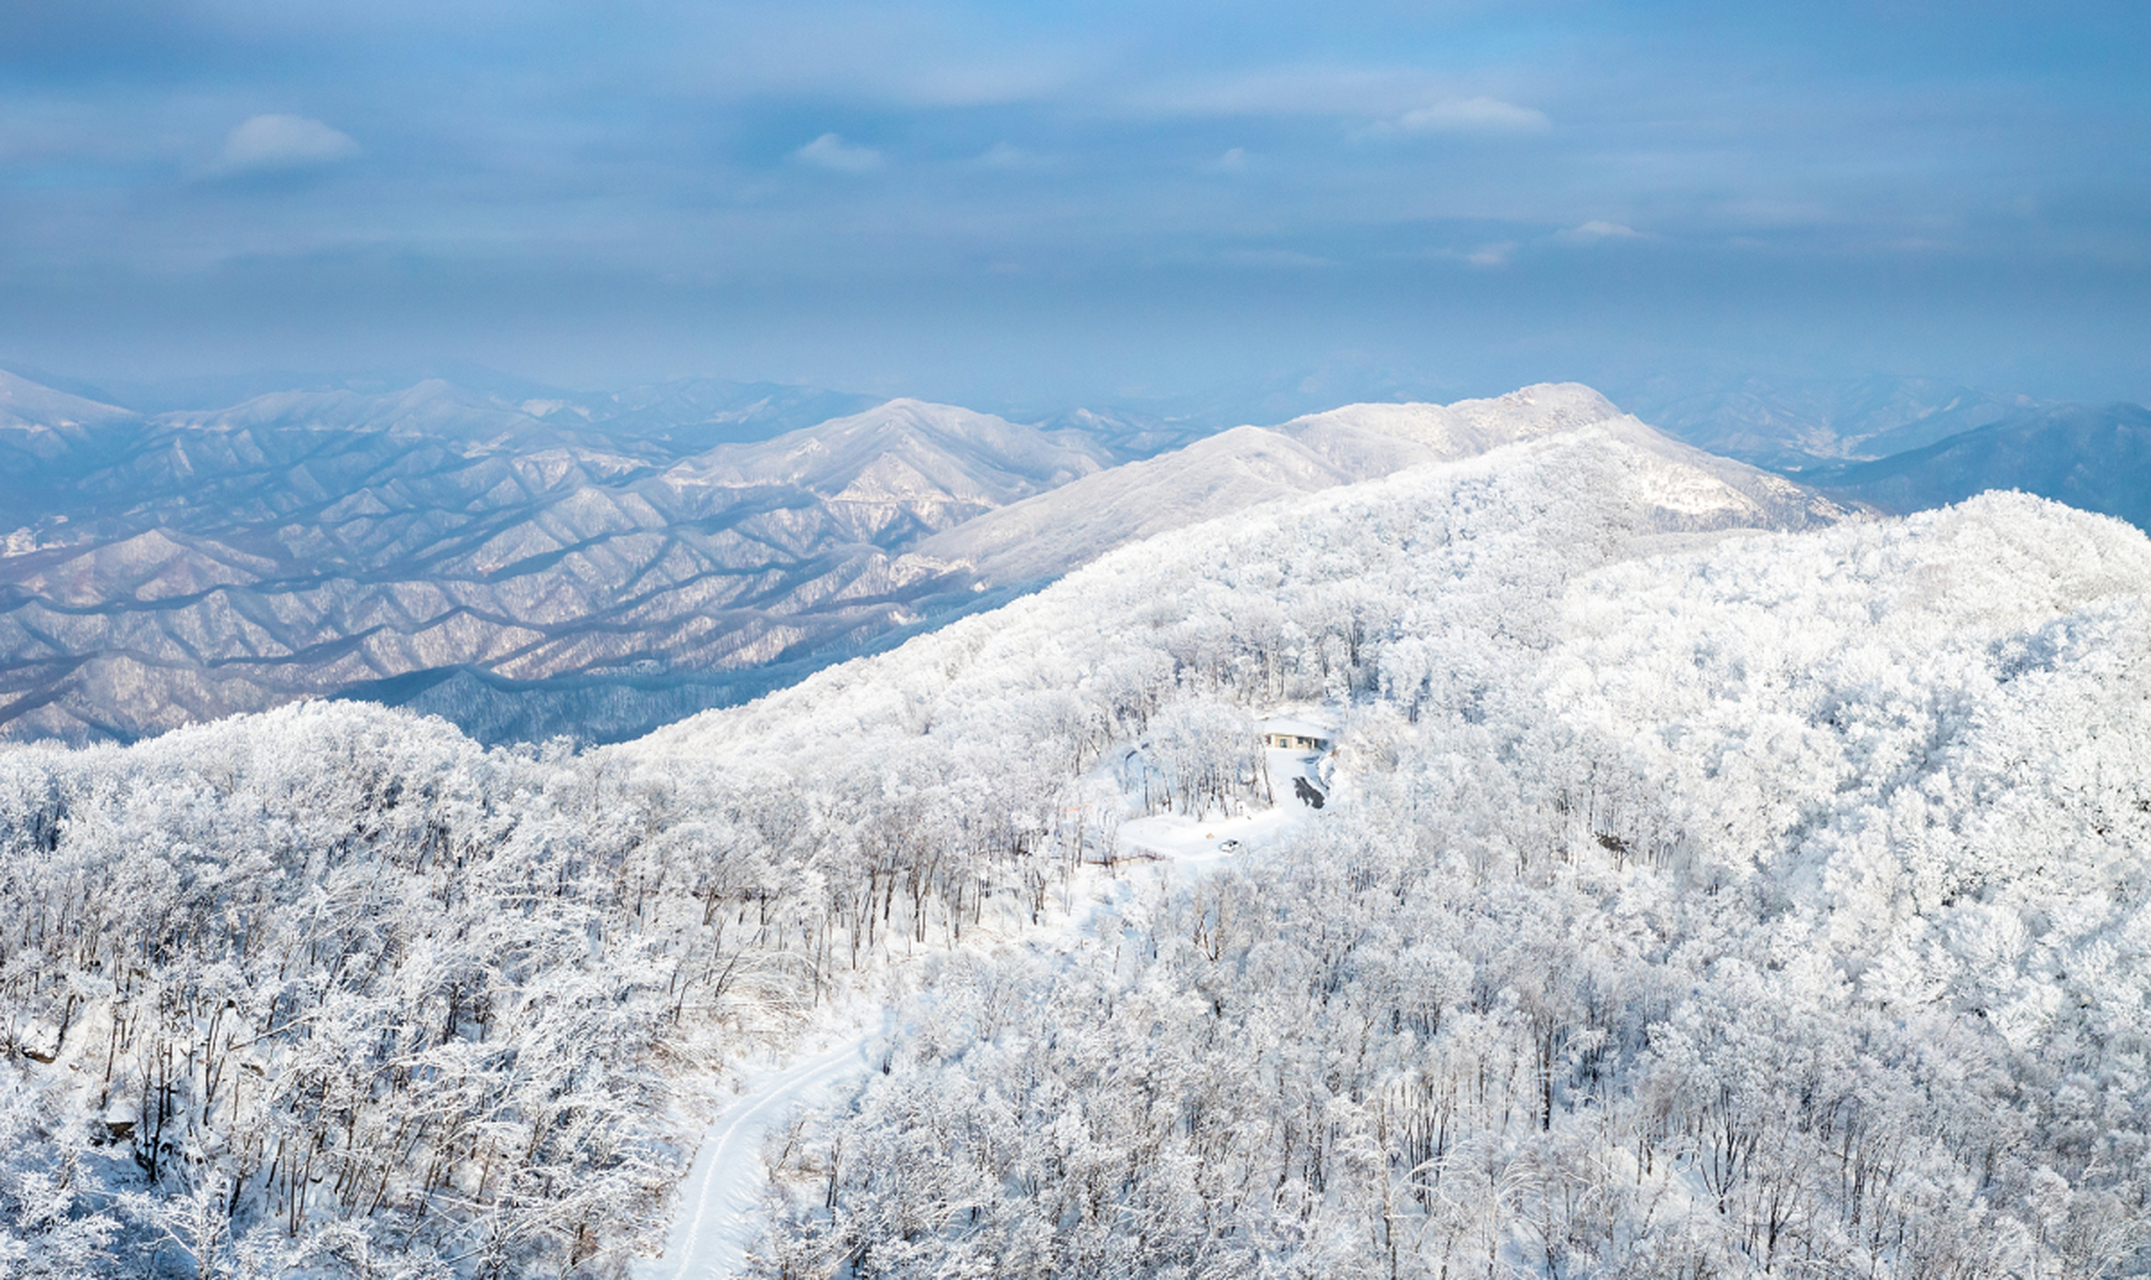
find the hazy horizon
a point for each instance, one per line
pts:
(990, 203)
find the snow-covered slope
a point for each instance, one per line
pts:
(1774, 906)
(900, 467)
(1055, 532)
(1772, 838)
(31, 412)
(48, 438)
(1661, 895)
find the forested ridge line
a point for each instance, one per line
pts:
(334, 991)
(1777, 908)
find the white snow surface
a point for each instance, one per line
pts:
(45, 422)
(902, 450)
(1247, 466)
(1187, 844)
(720, 1200)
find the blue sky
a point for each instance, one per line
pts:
(1008, 201)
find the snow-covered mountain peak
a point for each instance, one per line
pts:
(1247, 466)
(1555, 405)
(1546, 408)
(1467, 427)
(26, 404)
(328, 539)
(37, 416)
(916, 427)
(433, 408)
(942, 452)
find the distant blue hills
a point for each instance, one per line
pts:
(2092, 457)
(1909, 444)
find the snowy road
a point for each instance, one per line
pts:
(720, 1201)
(719, 1213)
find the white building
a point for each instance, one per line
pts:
(1296, 735)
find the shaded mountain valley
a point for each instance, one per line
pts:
(179, 567)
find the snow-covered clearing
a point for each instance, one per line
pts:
(1191, 843)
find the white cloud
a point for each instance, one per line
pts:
(273, 142)
(1778, 213)
(1233, 161)
(1472, 115)
(1594, 231)
(1287, 259)
(1496, 254)
(831, 152)
(855, 50)
(1005, 156)
(1287, 91)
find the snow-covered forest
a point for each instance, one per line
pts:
(1690, 901)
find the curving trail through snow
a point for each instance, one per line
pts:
(720, 1201)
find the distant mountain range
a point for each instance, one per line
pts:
(176, 567)
(1791, 425)
(529, 561)
(1909, 444)
(2093, 457)
(599, 564)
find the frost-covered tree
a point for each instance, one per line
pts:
(1691, 906)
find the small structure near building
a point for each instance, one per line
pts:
(1295, 735)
